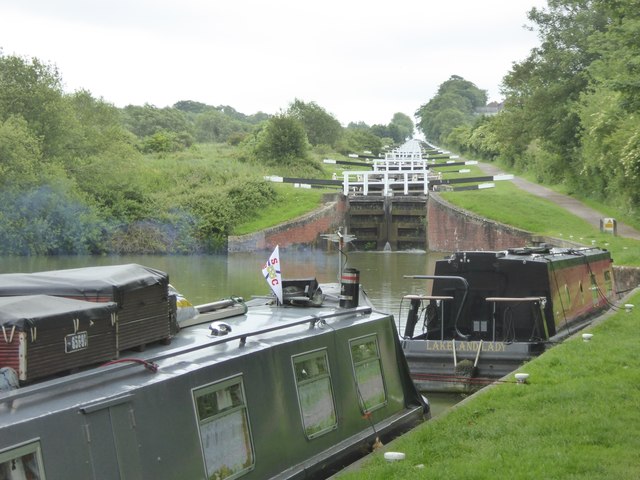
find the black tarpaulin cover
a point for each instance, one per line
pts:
(91, 282)
(30, 311)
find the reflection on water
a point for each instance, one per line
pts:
(205, 278)
(442, 402)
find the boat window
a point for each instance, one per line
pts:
(24, 461)
(367, 367)
(223, 421)
(315, 393)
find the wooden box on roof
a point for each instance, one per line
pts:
(145, 312)
(44, 335)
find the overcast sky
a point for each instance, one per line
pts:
(359, 60)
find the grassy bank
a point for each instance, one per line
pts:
(578, 417)
(506, 203)
(292, 203)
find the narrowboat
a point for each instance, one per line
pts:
(491, 311)
(296, 389)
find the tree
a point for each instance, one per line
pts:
(147, 120)
(321, 127)
(401, 127)
(20, 155)
(458, 86)
(215, 126)
(32, 90)
(454, 105)
(282, 141)
(97, 128)
(543, 90)
(358, 140)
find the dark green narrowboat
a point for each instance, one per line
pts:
(280, 391)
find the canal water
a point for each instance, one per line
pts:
(207, 278)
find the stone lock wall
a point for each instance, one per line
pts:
(301, 232)
(450, 228)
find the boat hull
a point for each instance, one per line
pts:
(434, 368)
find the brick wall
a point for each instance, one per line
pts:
(450, 228)
(301, 232)
(626, 278)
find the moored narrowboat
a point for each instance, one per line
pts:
(490, 311)
(293, 390)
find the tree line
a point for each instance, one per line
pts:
(571, 108)
(81, 176)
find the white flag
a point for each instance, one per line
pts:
(272, 274)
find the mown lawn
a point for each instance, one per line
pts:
(292, 203)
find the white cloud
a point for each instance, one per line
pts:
(359, 60)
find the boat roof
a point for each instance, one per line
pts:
(27, 311)
(102, 280)
(542, 253)
(263, 326)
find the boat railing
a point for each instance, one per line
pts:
(461, 280)
(541, 302)
(311, 320)
(437, 298)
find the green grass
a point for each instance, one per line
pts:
(508, 204)
(292, 203)
(577, 418)
(608, 209)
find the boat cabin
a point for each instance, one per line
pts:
(497, 309)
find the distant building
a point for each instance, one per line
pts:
(490, 109)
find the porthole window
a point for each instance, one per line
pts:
(367, 368)
(315, 393)
(223, 422)
(23, 461)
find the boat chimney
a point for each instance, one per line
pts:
(349, 288)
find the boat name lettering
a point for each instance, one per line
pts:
(447, 345)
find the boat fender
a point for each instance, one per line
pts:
(394, 456)
(8, 379)
(218, 329)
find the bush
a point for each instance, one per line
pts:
(47, 221)
(282, 141)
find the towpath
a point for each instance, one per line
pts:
(571, 204)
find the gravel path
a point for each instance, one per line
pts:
(571, 204)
